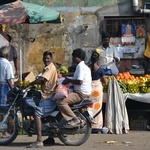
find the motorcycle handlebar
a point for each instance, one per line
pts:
(23, 89)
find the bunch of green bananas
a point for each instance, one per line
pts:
(105, 88)
(123, 86)
(148, 90)
(133, 88)
(62, 70)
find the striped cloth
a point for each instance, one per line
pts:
(44, 108)
(4, 88)
(47, 105)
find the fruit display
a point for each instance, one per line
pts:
(26, 83)
(123, 86)
(132, 84)
(105, 86)
(23, 83)
(62, 70)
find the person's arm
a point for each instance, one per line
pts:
(76, 82)
(15, 59)
(16, 66)
(9, 75)
(40, 80)
(103, 79)
(102, 75)
(116, 59)
(116, 56)
(10, 83)
(68, 80)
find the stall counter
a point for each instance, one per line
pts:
(140, 97)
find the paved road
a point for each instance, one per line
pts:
(140, 140)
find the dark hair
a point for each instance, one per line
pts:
(79, 53)
(9, 38)
(94, 57)
(105, 35)
(47, 53)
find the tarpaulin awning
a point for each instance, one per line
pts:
(19, 12)
(23, 12)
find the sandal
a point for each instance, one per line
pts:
(5, 136)
(35, 145)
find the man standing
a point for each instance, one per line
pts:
(6, 79)
(6, 75)
(48, 82)
(13, 57)
(108, 55)
(82, 88)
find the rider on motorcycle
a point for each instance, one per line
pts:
(48, 82)
(82, 88)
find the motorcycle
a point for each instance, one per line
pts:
(53, 125)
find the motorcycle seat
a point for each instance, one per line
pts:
(83, 102)
(53, 113)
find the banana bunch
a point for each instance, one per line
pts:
(133, 86)
(147, 83)
(23, 83)
(105, 88)
(37, 86)
(62, 70)
(143, 89)
(123, 86)
(148, 90)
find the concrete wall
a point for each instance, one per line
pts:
(80, 28)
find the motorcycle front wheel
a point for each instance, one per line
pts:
(78, 135)
(8, 129)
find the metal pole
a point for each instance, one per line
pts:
(20, 52)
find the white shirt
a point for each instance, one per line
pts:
(107, 55)
(106, 59)
(83, 73)
(6, 71)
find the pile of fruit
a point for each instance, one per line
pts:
(131, 84)
(62, 70)
(26, 83)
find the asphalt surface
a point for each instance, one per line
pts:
(134, 140)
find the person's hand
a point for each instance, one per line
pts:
(16, 74)
(66, 81)
(116, 59)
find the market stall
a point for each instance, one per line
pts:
(140, 97)
(118, 92)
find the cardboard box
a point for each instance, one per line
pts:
(3, 42)
(28, 76)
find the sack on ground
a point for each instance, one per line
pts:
(61, 92)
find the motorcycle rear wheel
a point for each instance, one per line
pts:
(10, 135)
(79, 134)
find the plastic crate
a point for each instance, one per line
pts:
(138, 124)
